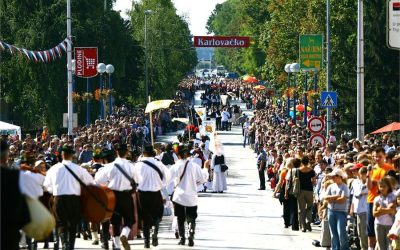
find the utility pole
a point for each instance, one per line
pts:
(328, 63)
(360, 72)
(69, 70)
(146, 12)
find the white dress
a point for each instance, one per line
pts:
(219, 178)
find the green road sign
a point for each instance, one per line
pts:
(311, 52)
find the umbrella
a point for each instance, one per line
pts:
(250, 79)
(300, 108)
(259, 87)
(159, 104)
(388, 128)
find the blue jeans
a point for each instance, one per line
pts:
(337, 224)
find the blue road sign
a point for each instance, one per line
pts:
(328, 99)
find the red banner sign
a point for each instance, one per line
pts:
(222, 41)
(85, 62)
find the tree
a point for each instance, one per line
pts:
(170, 52)
(36, 92)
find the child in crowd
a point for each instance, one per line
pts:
(359, 205)
(394, 232)
(383, 210)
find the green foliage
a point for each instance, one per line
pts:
(170, 51)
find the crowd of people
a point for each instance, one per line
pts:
(146, 180)
(348, 187)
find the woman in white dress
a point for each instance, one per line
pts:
(219, 177)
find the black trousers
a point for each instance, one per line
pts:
(184, 213)
(67, 210)
(218, 123)
(286, 212)
(123, 209)
(150, 209)
(293, 207)
(261, 176)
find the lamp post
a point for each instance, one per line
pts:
(101, 68)
(69, 70)
(294, 68)
(315, 90)
(360, 71)
(110, 70)
(305, 97)
(287, 70)
(146, 12)
(87, 101)
(328, 62)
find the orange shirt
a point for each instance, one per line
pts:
(283, 176)
(376, 175)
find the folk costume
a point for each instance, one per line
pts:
(151, 176)
(66, 191)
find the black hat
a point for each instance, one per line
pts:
(68, 149)
(97, 153)
(148, 149)
(106, 153)
(120, 147)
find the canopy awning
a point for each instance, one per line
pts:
(9, 129)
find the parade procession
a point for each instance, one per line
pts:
(188, 124)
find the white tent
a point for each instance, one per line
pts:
(9, 129)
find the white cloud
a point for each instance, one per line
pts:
(197, 12)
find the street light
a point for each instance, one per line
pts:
(287, 70)
(294, 68)
(110, 70)
(101, 68)
(146, 12)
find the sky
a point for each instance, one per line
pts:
(197, 11)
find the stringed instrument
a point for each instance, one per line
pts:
(98, 203)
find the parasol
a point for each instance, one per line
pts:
(388, 128)
(259, 87)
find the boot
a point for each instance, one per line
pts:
(71, 241)
(181, 229)
(155, 233)
(146, 235)
(192, 227)
(64, 241)
(56, 240)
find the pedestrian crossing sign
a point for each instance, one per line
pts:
(328, 99)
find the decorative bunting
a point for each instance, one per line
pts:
(39, 56)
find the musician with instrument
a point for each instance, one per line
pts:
(15, 186)
(187, 176)
(151, 176)
(115, 176)
(66, 191)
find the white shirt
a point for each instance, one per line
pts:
(360, 193)
(111, 176)
(225, 116)
(30, 184)
(59, 181)
(186, 191)
(147, 178)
